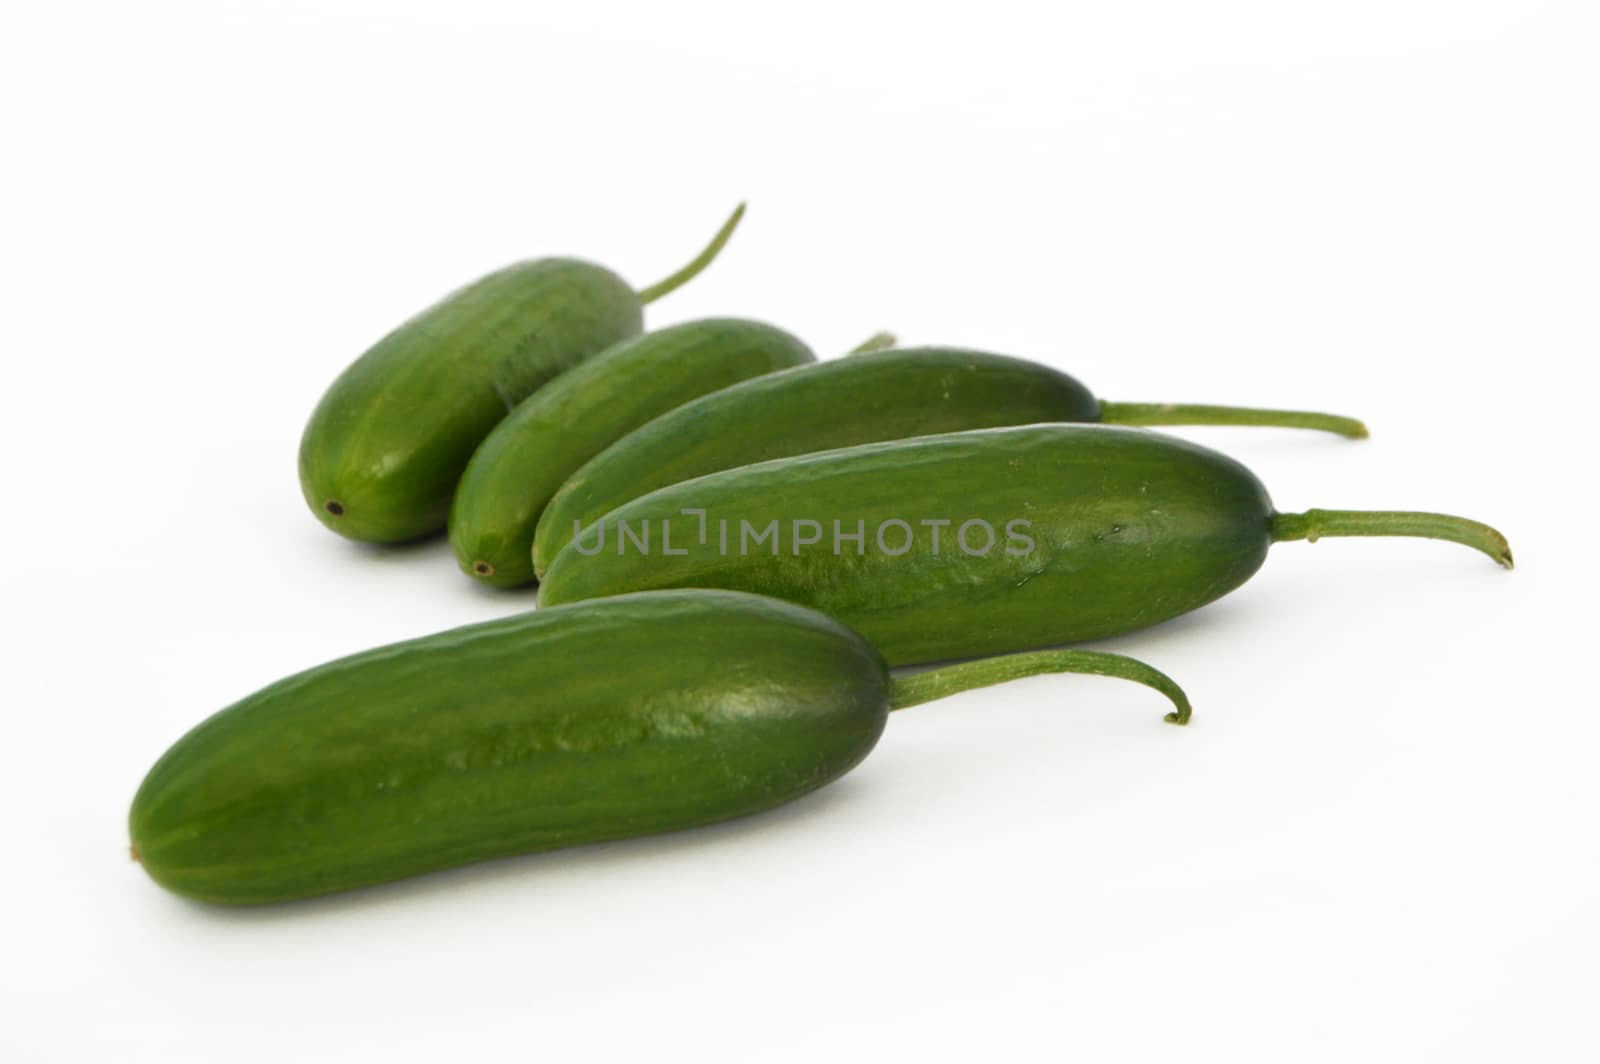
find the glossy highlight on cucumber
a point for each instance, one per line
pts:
(381, 454)
(633, 716)
(891, 395)
(532, 452)
(1120, 529)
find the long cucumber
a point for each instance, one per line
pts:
(892, 395)
(970, 543)
(609, 720)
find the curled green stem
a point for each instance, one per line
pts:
(926, 686)
(1314, 524)
(1199, 414)
(881, 341)
(677, 280)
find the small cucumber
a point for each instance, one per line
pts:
(974, 542)
(889, 396)
(519, 466)
(637, 715)
(381, 454)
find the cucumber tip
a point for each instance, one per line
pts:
(482, 568)
(334, 507)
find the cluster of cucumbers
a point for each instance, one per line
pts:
(666, 684)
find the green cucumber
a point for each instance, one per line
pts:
(633, 716)
(519, 466)
(889, 396)
(1092, 530)
(381, 454)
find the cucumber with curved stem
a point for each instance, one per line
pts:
(381, 454)
(890, 396)
(522, 462)
(633, 716)
(970, 543)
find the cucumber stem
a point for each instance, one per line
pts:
(876, 342)
(1314, 524)
(1200, 414)
(906, 691)
(677, 280)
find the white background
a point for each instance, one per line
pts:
(1377, 840)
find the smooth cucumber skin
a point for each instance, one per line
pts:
(381, 454)
(889, 395)
(551, 433)
(615, 719)
(1130, 528)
